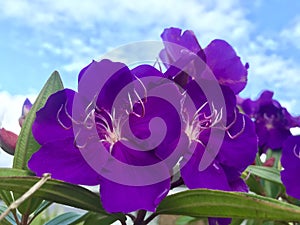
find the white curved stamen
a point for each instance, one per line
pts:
(296, 154)
(59, 121)
(240, 132)
(143, 86)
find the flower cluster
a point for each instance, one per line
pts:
(273, 123)
(204, 133)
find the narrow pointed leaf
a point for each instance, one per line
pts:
(212, 203)
(92, 218)
(65, 219)
(53, 190)
(267, 173)
(26, 144)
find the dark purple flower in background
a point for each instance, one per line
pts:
(219, 57)
(273, 122)
(60, 152)
(290, 161)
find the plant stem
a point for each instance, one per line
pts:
(150, 218)
(140, 217)
(177, 183)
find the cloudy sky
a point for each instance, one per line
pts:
(38, 37)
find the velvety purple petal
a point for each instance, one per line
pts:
(219, 221)
(187, 40)
(273, 122)
(226, 65)
(277, 137)
(82, 72)
(52, 123)
(158, 107)
(115, 75)
(121, 198)
(64, 161)
(212, 177)
(290, 161)
(133, 156)
(146, 71)
(182, 55)
(239, 147)
(163, 55)
(226, 99)
(235, 181)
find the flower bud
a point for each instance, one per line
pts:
(25, 110)
(8, 141)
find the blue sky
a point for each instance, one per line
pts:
(38, 37)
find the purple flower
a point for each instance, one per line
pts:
(237, 150)
(219, 57)
(62, 152)
(273, 122)
(290, 161)
(237, 132)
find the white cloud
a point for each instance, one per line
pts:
(10, 111)
(80, 31)
(119, 22)
(291, 34)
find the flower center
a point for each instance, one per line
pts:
(199, 122)
(109, 127)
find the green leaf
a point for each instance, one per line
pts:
(44, 205)
(267, 173)
(184, 220)
(212, 203)
(6, 197)
(26, 144)
(65, 219)
(54, 191)
(97, 218)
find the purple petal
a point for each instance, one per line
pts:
(82, 72)
(64, 161)
(52, 123)
(276, 137)
(117, 197)
(226, 65)
(235, 181)
(121, 198)
(226, 97)
(187, 40)
(133, 156)
(146, 71)
(239, 147)
(212, 177)
(158, 107)
(113, 75)
(219, 221)
(290, 161)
